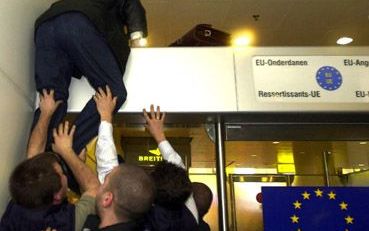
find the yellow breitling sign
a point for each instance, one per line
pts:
(154, 157)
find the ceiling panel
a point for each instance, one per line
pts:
(279, 22)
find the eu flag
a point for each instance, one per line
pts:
(316, 208)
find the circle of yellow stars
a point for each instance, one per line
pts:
(320, 194)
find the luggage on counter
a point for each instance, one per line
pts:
(203, 35)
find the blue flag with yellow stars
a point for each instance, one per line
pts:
(315, 208)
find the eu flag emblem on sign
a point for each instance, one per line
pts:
(316, 208)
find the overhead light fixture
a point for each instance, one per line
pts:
(253, 155)
(275, 142)
(243, 38)
(242, 41)
(362, 142)
(344, 40)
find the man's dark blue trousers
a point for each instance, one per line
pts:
(70, 45)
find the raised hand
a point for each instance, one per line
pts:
(155, 123)
(48, 105)
(105, 103)
(63, 138)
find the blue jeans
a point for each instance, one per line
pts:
(70, 44)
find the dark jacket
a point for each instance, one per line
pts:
(115, 19)
(163, 219)
(17, 218)
(92, 224)
(203, 226)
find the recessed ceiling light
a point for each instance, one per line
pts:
(275, 142)
(361, 165)
(253, 155)
(362, 142)
(242, 41)
(344, 40)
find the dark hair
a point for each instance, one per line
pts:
(134, 191)
(173, 186)
(34, 182)
(202, 196)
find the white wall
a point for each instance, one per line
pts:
(16, 83)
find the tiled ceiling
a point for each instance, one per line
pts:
(279, 22)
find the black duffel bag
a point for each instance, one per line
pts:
(203, 35)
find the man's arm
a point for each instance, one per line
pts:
(106, 153)
(134, 14)
(63, 139)
(155, 125)
(38, 138)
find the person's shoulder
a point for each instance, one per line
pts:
(203, 226)
(92, 222)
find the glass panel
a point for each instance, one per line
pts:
(212, 216)
(303, 161)
(248, 211)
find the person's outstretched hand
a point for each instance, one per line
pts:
(105, 103)
(48, 105)
(155, 123)
(63, 139)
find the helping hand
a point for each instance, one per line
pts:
(155, 123)
(47, 102)
(63, 139)
(105, 103)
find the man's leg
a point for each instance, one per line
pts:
(94, 58)
(53, 71)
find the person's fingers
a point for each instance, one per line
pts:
(97, 94)
(163, 116)
(52, 91)
(72, 130)
(115, 100)
(101, 92)
(108, 91)
(60, 128)
(157, 112)
(146, 116)
(57, 103)
(152, 111)
(55, 134)
(95, 98)
(44, 92)
(66, 127)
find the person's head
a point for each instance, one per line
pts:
(127, 192)
(203, 197)
(38, 182)
(173, 186)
